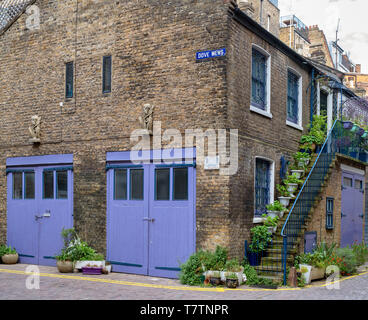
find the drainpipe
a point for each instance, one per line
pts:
(311, 98)
(261, 14)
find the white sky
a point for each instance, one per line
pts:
(353, 33)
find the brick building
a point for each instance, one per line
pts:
(89, 72)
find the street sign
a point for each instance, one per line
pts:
(210, 54)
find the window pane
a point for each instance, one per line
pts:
(120, 184)
(259, 78)
(29, 182)
(48, 184)
(62, 184)
(358, 184)
(106, 77)
(17, 185)
(181, 184)
(348, 182)
(162, 184)
(69, 78)
(136, 184)
(293, 98)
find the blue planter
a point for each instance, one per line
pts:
(353, 154)
(254, 259)
(347, 125)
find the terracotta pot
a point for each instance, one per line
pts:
(10, 258)
(65, 266)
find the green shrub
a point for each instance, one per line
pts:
(361, 252)
(260, 239)
(232, 266)
(252, 276)
(276, 206)
(201, 261)
(6, 250)
(348, 264)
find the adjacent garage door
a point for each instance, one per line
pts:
(39, 206)
(352, 202)
(150, 216)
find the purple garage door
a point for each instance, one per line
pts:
(352, 198)
(150, 216)
(39, 206)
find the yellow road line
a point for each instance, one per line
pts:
(156, 286)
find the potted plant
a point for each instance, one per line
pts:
(8, 255)
(275, 209)
(292, 183)
(347, 124)
(232, 281)
(64, 262)
(271, 223)
(215, 278)
(284, 197)
(261, 238)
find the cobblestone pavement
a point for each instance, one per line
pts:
(117, 286)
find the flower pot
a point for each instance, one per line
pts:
(215, 281)
(365, 134)
(285, 201)
(292, 187)
(232, 283)
(273, 214)
(317, 273)
(254, 258)
(81, 264)
(306, 275)
(65, 266)
(347, 125)
(272, 230)
(298, 173)
(91, 270)
(10, 258)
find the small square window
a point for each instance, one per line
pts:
(17, 185)
(120, 188)
(348, 182)
(162, 184)
(29, 185)
(48, 184)
(61, 184)
(359, 184)
(180, 184)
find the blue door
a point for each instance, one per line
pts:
(150, 217)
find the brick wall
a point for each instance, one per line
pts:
(153, 46)
(259, 136)
(319, 47)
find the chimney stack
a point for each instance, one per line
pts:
(246, 7)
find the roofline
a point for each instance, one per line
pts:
(255, 27)
(31, 2)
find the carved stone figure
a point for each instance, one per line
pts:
(35, 129)
(147, 119)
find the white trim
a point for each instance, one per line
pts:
(294, 125)
(298, 125)
(258, 220)
(266, 112)
(260, 111)
(345, 167)
(272, 180)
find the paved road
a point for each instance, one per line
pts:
(115, 286)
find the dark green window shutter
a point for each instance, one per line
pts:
(106, 74)
(69, 79)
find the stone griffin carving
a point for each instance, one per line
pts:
(147, 119)
(35, 129)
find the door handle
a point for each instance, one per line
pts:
(47, 214)
(149, 219)
(38, 217)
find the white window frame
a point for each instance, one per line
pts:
(266, 113)
(272, 183)
(329, 93)
(298, 125)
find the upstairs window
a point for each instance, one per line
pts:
(293, 98)
(106, 74)
(69, 79)
(259, 80)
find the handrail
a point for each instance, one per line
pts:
(306, 180)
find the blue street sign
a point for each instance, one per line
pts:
(210, 54)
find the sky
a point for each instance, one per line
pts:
(353, 30)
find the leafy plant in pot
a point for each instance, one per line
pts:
(215, 279)
(8, 255)
(284, 197)
(271, 223)
(275, 209)
(292, 183)
(301, 159)
(261, 238)
(232, 280)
